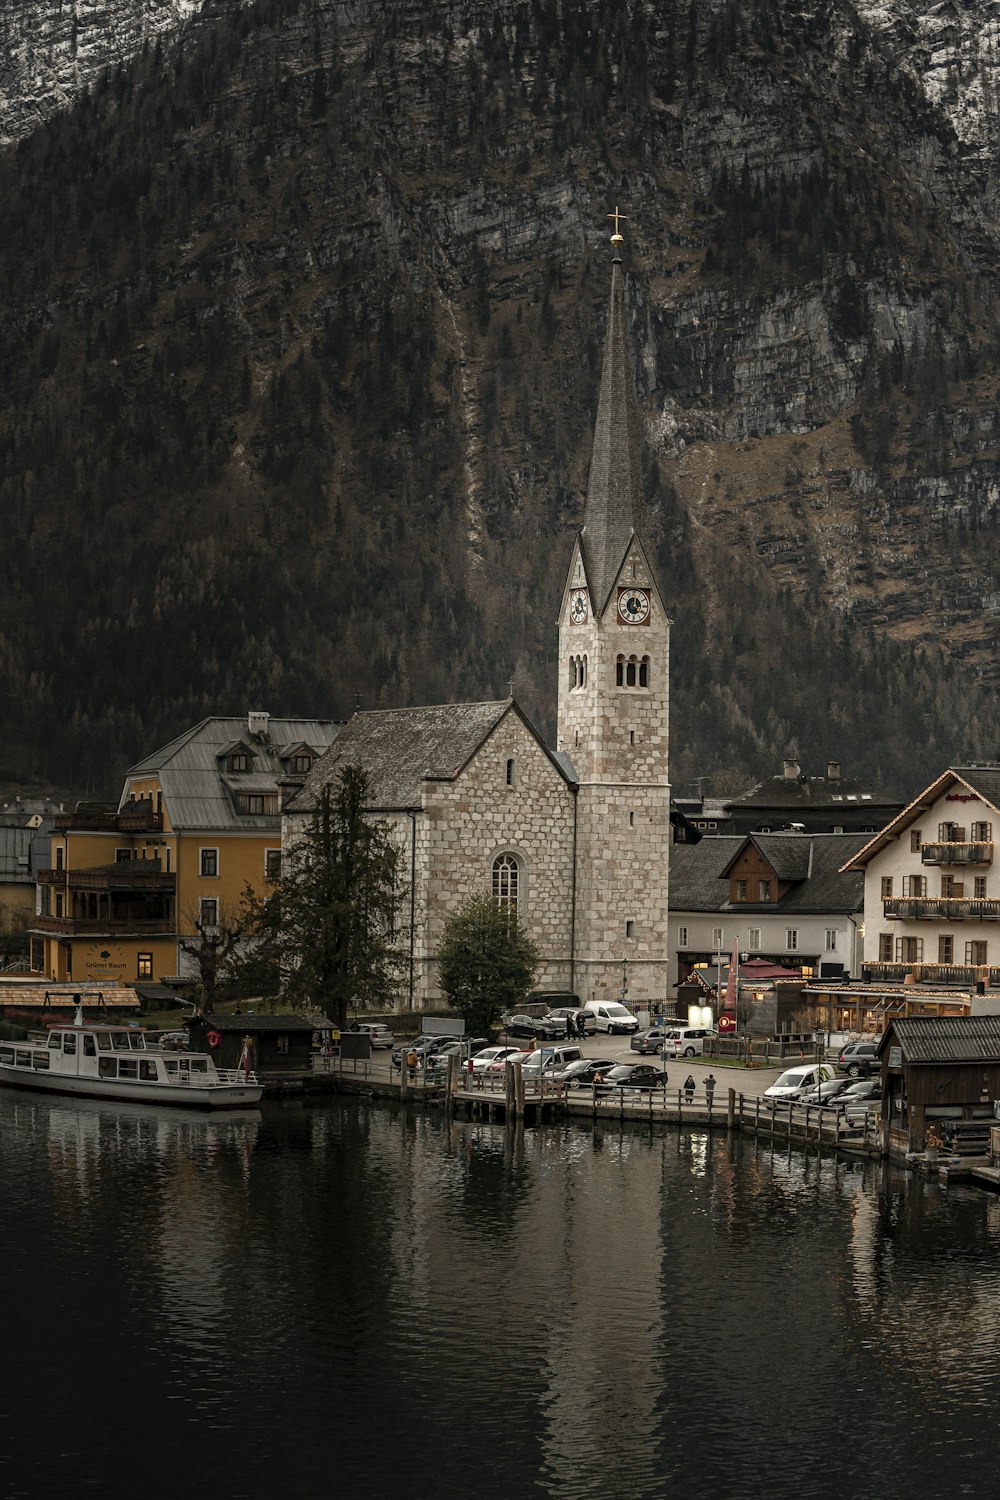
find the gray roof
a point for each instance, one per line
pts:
(945, 1039)
(811, 861)
(22, 852)
(791, 792)
(615, 486)
(398, 748)
(196, 785)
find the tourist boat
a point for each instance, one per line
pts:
(97, 1061)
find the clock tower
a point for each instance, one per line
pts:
(614, 654)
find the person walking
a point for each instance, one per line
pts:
(689, 1089)
(581, 1024)
(709, 1089)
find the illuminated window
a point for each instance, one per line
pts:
(144, 966)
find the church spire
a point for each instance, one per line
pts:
(615, 488)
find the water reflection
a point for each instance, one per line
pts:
(405, 1301)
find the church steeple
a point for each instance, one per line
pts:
(615, 488)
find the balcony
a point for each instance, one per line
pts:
(883, 972)
(141, 876)
(976, 853)
(134, 817)
(942, 909)
(105, 926)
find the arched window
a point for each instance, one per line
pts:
(511, 773)
(505, 882)
(619, 671)
(630, 672)
(572, 672)
(583, 671)
(644, 672)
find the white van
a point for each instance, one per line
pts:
(685, 1041)
(609, 1016)
(805, 1076)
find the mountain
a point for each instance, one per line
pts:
(301, 313)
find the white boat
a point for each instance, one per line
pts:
(96, 1061)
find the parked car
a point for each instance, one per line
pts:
(647, 1041)
(855, 1055)
(465, 1046)
(514, 1054)
(824, 1092)
(565, 1017)
(549, 1028)
(631, 1076)
(610, 1016)
(520, 1025)
(487, 1056)
(173, 1041)
(857, 1098)
(581, 1074)
(552, 1059)
(378, 1034)
(685, 1041)
(793, 1080)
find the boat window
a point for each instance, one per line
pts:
(147, 1069)
(6, 1054)
(119, 1040)
(199, 1064)
(55, 1040)
(103, 1042)
(128, 1067)
(170, 1063)
(89, 1047)
(23, 1059)
(39, 1059)
(137, 1041)
(107, 1067)
(69, 1042)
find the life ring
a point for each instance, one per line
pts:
(213, 1039)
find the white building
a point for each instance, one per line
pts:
(783, 897)
(932, 899)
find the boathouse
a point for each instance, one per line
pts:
(938, 1073)
(280, 1047)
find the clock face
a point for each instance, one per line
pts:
(633, 606)
(578, 606)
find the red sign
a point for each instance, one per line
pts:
(960, 797)
(727, 1022)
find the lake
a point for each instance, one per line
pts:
(348, 1299)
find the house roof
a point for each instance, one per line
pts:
(981, 781)
(400, 748)
(944, 1039)
(249, 1023)
(197, 789)
(813, 792)
(812, 862)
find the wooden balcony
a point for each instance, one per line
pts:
(942, 909)
(140, 876)
(105, 926)
(134, 817)
(957, 854)
(884, 972)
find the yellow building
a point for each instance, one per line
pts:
(197, 822)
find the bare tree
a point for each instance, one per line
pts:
(212, 945)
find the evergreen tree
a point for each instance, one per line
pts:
(486, 963)
(329, 926)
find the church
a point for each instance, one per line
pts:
(576, 839)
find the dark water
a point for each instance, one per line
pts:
(347, 1300)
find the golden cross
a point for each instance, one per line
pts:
(616, 238)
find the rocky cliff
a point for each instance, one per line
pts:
(302, 314)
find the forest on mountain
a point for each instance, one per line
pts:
(301, 321)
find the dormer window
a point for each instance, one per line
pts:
(301, 764)
(238, 760)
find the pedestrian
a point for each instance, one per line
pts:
(411, 1064)
(865, 1070)
(689, 1088)
(581, 1024)
(709, 1089)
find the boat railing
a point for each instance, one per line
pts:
(235, 1075)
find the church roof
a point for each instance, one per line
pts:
(615, 488)
(400, 748)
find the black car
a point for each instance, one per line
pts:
(520, 1025)
(632, 1076)
(581, 1074)
(647, 1041)
(551, 1028)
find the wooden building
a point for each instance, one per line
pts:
(280, 1046)
(936, 1071)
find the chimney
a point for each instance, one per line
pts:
(257, 723)
(833, 770)
(791, 770)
